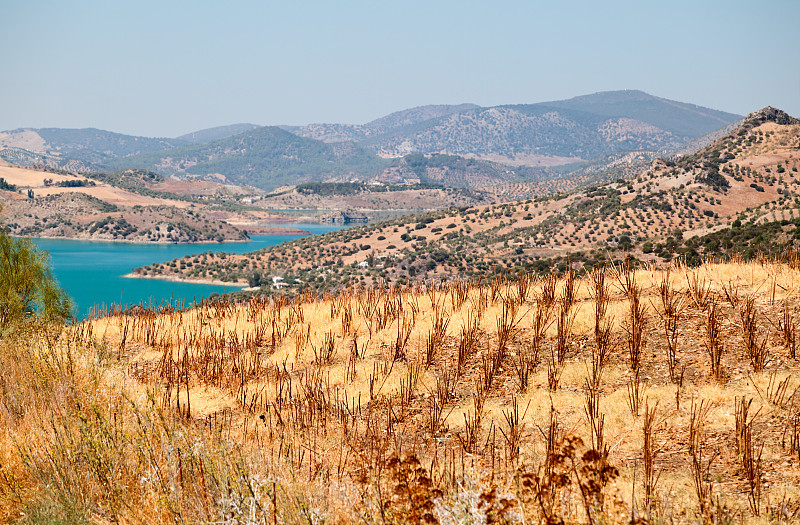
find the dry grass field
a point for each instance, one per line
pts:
(654, 396)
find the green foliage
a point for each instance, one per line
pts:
(713, 178)
(353, 188)
(75, 183)
(6, 186)
(331, 188)
(27, 286)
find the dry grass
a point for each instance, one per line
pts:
(433, 404)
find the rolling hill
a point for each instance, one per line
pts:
(128, 205)
(722, 200)
(89, 146)
(265, 157)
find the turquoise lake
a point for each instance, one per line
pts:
(93, 272)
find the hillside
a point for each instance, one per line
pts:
(414, 183)
(749, 176)
(374, 199)
(90, 146)
(548, 133)
(459, 172)
(395, 121)
(211, 134)
(265, 157)
(134, 206)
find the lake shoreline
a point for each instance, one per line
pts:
(256, 230)
(94, 272)
(174, 279)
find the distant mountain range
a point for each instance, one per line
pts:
(575, 131)
(265, 157)
(560, 132)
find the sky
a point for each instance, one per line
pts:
(168, 67)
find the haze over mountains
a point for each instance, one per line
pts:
(599, 127)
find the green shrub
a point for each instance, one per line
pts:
(27, 286)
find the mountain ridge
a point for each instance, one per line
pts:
(579, 132)
(557, 132)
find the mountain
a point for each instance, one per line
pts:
(211, 134)
(737, 196)
(413, 116)
(265, 157)
(678, 118)
(453, 171)
(549, 133)
(604, 131)
(395, 121)
(89, 145)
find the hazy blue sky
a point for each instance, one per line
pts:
(164, 68)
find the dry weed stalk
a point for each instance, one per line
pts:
(459, 293)
(699, 290)
(529, 357)
(788, 329)
(554, 370)
(649, 453)
(700, 466)
(524, 284)
(324, 356)
(777, 392)
(515, 428)
(713, 343)
(472, 424)
(404, 328)
(755, 349)
(467, 344)
(602, 326)
(595, 418)
(544, 485)
(548, 294)
(671, 311)
(636, 320)
(599, 355)
(749, 453)
(436, 337)
(566, 316)
(635, 390)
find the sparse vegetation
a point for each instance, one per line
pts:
(406, 406)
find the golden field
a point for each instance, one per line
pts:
(658, 396)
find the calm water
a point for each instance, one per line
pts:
(92, 272)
